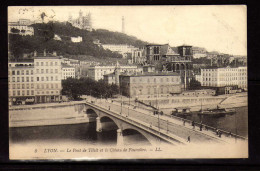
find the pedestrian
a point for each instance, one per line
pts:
(219, 134)
(206, 127)
(201, 127)
(188, 139)
(230, 134)
(216, 131)
(193, 124)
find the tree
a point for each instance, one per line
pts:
(194, 84)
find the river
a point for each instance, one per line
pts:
(86, 133)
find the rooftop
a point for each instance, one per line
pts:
(151, 74)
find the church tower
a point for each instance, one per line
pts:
(123, 24)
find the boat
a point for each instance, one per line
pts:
(217, 112)
(182, 111)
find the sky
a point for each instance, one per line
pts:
(217, 28)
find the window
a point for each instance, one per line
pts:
(52, 86)
(27, 79)
(18, 72)
(18, 86)
(51, 63)
(37, 71)
(13, 86)
(56, 63)
(41, 63)
(42, 71)
(51, 78)
(56, 78)
(22, 72)
(22, 86)
(18, 79)
(51, 70)
(23, 92)
(32, 92)
(22, 79)
(42, 86)
(47, 78)
(46, 63)
(56, 85)
(18, 92)
(31, 79)
(47, 70)
(13, 79)
(32, 85)
(42, 78)
(27, 72)
(28, 92)
(47, 86)
(31, 72)
(56, 70)
(13, 72)
(14, 93)
(27, 86)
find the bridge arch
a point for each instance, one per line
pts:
(130, 135)
(91, 112)
(108, 123)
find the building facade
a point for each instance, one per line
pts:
(67, 72)
(98, 72)
(21, 82)
(150, 84)
(221, 77)
(47, 75)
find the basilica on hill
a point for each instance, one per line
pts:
(82, 22)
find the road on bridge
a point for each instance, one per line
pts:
(161, 122)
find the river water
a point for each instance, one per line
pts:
(86, 133)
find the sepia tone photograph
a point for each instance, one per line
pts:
(127, 82)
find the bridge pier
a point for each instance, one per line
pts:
(120, 140)
(98, 126)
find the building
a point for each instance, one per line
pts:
(82, 22)
(76, 39)
(122, 49)
(224, 77)
(21, 82)
(36, 80)
(150, 84)
(199, 52)
(98, 72)
(21, 27)
(47, 73)
(67, 72)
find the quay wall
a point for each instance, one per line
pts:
(47, 114)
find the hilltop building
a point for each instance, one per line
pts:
(82, 22)
(67, 72)
(21, 27)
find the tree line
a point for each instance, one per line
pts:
(74, 88)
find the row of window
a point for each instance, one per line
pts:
(47, 92)
(22, 79)
(48, 86)
(23, 72)
(23, 93)
(51, 78)
(46, 63)
(46, 71)
(156, 79)
(22, 86)
(72, 69)
(156, 57)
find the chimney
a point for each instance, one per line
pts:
(35, 53)
(54, 53)
(44, 52)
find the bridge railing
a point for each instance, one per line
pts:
(208, 128)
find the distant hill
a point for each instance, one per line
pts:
(44, 34)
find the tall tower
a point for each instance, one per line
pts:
(123, 24)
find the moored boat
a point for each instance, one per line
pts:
(182, 111)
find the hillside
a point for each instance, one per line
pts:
(44, 34)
